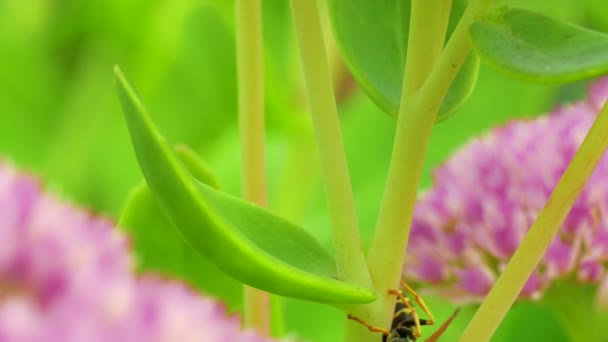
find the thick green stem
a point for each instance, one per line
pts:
(349, 256)
(251, 120)
(535, 243)
(416, 119)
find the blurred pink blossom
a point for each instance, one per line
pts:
(488, 194)
(67, 275)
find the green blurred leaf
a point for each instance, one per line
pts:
(245, 241)
(536, 48)
(373, 38)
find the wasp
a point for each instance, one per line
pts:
(406, 322)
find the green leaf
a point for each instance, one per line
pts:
(533, 47)
(245, 241)
(159, 248)
(372, 37)
(197, 167)
(461, 89)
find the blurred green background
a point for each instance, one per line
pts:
(59, 117)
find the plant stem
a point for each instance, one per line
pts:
(345, 228)
(426, 38)
(251, 121)
(414, 124)
(535, 243)
(277, 312)
(297, 181)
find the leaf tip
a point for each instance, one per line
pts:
(118, 75)
(120, 81)
(127, 93)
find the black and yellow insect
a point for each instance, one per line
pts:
(406, 322)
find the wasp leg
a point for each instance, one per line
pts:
(409, 309)
(368, 326)
(420, 302)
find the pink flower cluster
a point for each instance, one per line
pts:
(66, 275)
(488, 194)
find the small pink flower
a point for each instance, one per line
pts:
(487, 195)
(66, 275)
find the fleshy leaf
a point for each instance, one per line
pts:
(372, 37)
(197, 167)
(245, 241)
(533, 47)
(159, 248)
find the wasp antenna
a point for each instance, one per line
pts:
(442, 328)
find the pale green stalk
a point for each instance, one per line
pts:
(297, 182)
(414, 124)
(535, 243)
(444, 18)
(345, 228)
(251, 121)
(428, 26)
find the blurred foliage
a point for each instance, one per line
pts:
(59, 115)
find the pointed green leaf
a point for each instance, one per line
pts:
(372, 37)
(533, 47)
(159, 248)
(197, 167)
(245, 241)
